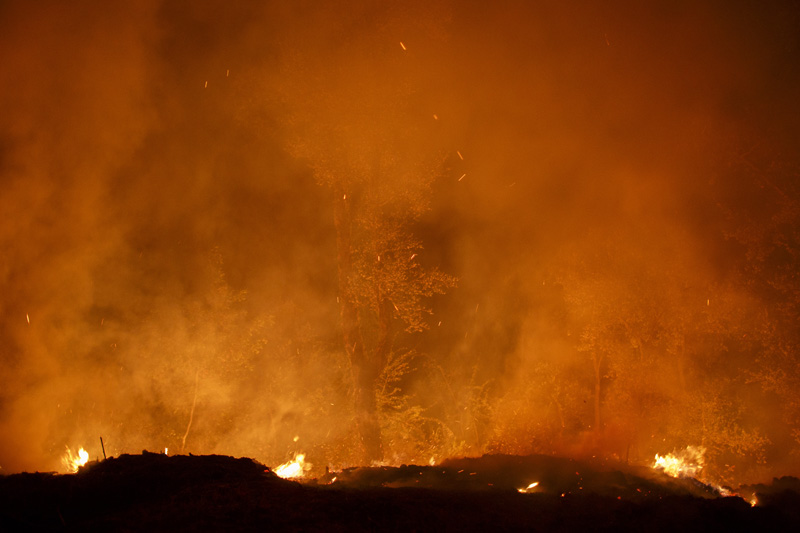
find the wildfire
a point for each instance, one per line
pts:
(685, 463)
(294, 468)
(72, 462)
(529, 488)
(688, 463)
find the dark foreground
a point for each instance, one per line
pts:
(153, 492)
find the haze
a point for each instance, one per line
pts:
(614, 187)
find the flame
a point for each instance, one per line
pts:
(529, 487)
(685, 463)
(73, 462)
(688, 463)
(294, 468)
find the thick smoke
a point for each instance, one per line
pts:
(606, 183)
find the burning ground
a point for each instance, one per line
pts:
(400, 232)
(156, 492)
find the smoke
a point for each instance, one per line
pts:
(169, 272)
(75, 108)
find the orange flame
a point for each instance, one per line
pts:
(293, 469)
(72, 462)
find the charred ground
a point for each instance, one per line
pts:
(155, 492)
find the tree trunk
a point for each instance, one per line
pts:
(364, 369)
(384, 345)
(560, 411)
(681, 354)
(191, 413)
(598, 361)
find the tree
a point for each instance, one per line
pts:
(354, 114)
(762, 207)
(203, 347)
(608, 293)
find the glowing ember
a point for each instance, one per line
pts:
(295, 468)
(686, 463)
(73, 462)
(529, 487)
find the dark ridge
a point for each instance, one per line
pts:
(154, 492)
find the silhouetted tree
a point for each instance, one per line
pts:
(349, 98)
(187, 357)
(655, 335)
(761, 199)
(606, 291)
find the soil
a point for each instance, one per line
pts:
(154, 492)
